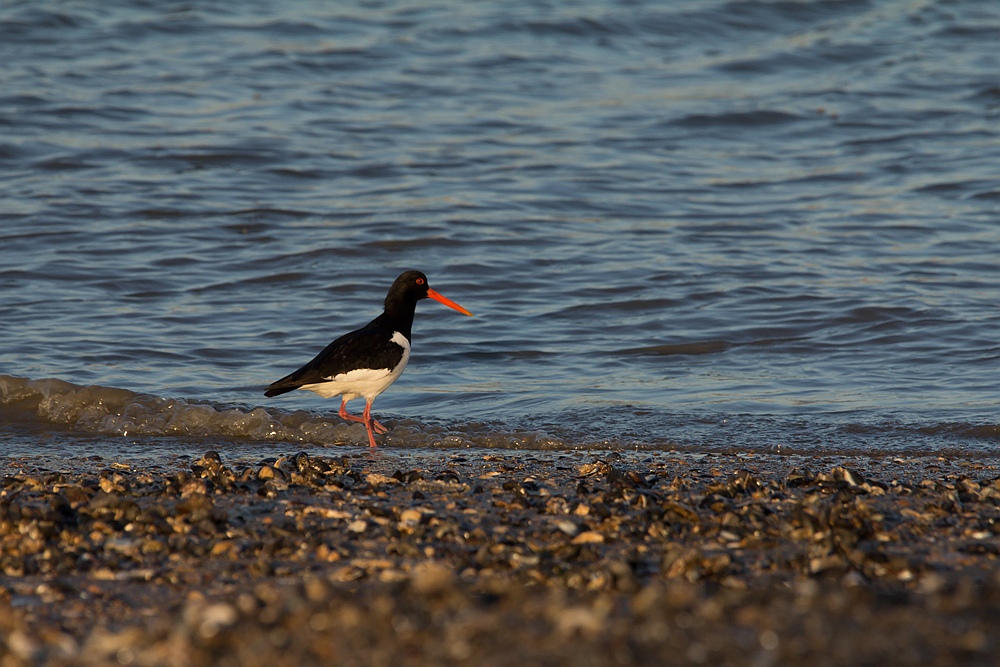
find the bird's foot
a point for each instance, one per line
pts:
(378, 428)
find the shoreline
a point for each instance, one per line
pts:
(424, 557)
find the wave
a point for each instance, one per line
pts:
(114, 411)
(110, 411)
(35, 406)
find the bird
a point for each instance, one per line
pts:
(364, 362)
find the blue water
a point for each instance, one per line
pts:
(709, 225)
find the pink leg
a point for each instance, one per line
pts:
(349, 417)
(361, 420)
(369, 423)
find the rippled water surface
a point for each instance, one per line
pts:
(747, 225)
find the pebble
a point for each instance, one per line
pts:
(541, 559)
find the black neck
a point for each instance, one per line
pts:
(399, 315)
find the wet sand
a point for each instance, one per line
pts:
(512, 558)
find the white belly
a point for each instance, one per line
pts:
(364, 383)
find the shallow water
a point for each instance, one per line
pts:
(707, 225)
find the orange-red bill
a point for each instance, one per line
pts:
(448, 302)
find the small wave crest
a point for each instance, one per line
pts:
(47, 403)
(32, 407)
(113, 411)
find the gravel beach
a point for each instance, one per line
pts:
(465, 557)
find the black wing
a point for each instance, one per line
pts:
(368, 347)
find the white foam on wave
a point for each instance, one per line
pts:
(32, 407)
(113, 411)
(92, 409)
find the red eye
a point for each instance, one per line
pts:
(420, 281)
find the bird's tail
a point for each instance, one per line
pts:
(290, 382)
(275, 390)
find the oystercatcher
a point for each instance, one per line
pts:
(363, 363)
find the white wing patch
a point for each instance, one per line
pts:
(400, 340)
(364, 383)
